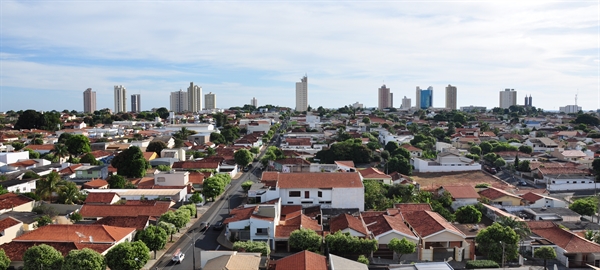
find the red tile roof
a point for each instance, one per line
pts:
(100, 197)
(319, 180)
(462, 192)
(493, 193)
(69, 170)
(426, 223)
(196, 164)
(40, 147)
(303, 260)
(10, 200)
(139, 222)
(88, 233)
(373, 173)
(347, 163)
(567, 240)
(196, 178)
(410, 207)
(95, 183)
(149, 155)
(238, 214)
(24, 163)
(344, 221)
(99, 210)
(15, 250)
(7, 223)
(531, 197)
(410, 148)
(382, 223)
(100, 154)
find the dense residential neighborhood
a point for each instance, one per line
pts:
(275, 188)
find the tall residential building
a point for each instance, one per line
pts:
(254, 102)
(528, 100)
(89, 101)
(179, 101)
(424, 98)
(570, 109)
(302, 94)
(136, 104)
(405, 103)
(357, 105)
(210, 101)
(194, 95)
(384, 99)
(451, 97)
(508, 98)
(120, 99)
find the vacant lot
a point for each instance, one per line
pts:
(431, 181)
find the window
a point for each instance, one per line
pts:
(290, 202)
(160, 179)
(294, 193)
(320, 193)
(306, 194)
(262, 231)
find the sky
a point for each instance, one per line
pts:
(51, 51)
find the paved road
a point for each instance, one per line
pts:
(207, 240)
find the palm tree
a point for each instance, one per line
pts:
(60, 151)
(47, 186)
(68, 192)
(520, 227)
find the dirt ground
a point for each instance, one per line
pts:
(431, 181)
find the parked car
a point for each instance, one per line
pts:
(218, 226)
(204, 226)
(178, 256)
(246, 169)
(489, 169)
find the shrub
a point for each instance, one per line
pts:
(479, 264)
(482, 185)
(363, 259)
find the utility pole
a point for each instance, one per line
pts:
(502, 254)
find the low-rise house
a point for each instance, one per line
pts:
(384, 228)
(102, 198)
(17, 185)
(15, 202)
(88, 172)
(28, 219)
(576, 156)
(449, 161)
(541, 144)
(376, 175)
(348, 224)
(168, 140)
(151, 208)
(564, 178)
(500, 197)
(225, 260)
(139, 222)
(414, 151)
(9, 229)
(553, 214)
(255, 222)
(461, 195)
(291, 165)
(572, 250)
(69, 172)
(345, 165)
(96, 184)
(303, 260)
(536, 200)
(341, 263)
(40, 148)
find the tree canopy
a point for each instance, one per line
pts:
(305, 239)
(351, 149)
(342, 243)
(546, 253)
(42, 257)
(131, 163)
(128, 256)
(156, 147)
(468, 214)
(495, 239)
(252, 246)
(84, 259)
(243, 157)
(4, 260)
(154, 237)
(401, 247)
(585, 206)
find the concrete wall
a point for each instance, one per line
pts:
(348, 198)
(11, 232)
(385, 239)
(423, 166)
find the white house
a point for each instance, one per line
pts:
(255, 222)
(329, 190)
(536, 200)
(542, 144)
(172, 178)
(461, 195)
(449, 161)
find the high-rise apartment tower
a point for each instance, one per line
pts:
(508, 98)
(136, 104)
(254, 102)
(384, 99)
(120, 99)
(194, 94)
(302, 94)
(405, 103)
(89, 101)
(424, 98)
(451, 97)
(210, 101)
(179, 101)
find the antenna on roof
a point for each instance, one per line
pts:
(81, 235)
(91, 239)
(576, 97)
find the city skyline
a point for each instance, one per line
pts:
(545, 50)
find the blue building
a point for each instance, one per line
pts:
(424, 98)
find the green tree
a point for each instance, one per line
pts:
(399, 164)
(525, 149)
(18, 145)
(363, 259)
(131, 163)
(243, 157)
(401, 247)
(42, 257)
(169, 228)
(246, 185)
(163, 112)
(4, 260)
(486, 147)
(546, 253)
(78, 144)
(500, 162)
(476, 150)
(43, 221)
(468, 214)
(217, 138)
(177, 218)
(524, 166)
(85, 259)
(305, 239)
(585, 207)
(343, 243)
(391, 146)
(252, 246)
(587, 119)
(47, 186)
(213, 187)
(254, 150)
(163, 168)
(90, 159)
(29, 119)
(596, 168)
(156, 147)
(495, 239)
(196, 197)
(366, 120)
(116, 181)
(75, 217)
(154, 237)
(69, 193)
(128, 256)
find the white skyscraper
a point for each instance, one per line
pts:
(302, 94)
(120, 99)
(179, 101)
(254, 102)
(194, 94)
(89, 101)
(405, 103)
(210, 101)
(508, 98)
(136, 105)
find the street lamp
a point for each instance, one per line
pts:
(502, 254)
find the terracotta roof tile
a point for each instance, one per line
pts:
(410, 148)
(40, 147)
(95, 183)
(531, 197)
(320, 180)
(139, 222)
(410, 207)
(69, 170)
(7, 223)
(426, 223)
(462, 192)
(493, 193)
(567, 240)
(344, 221)
(88, 233)
(10, 200)
(373, 173)
(303, 260)
(382, 223)
(347, 163)
(100, 197)
(99, 210)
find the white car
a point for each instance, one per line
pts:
(178, 256)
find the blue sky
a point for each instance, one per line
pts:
(51, 51)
